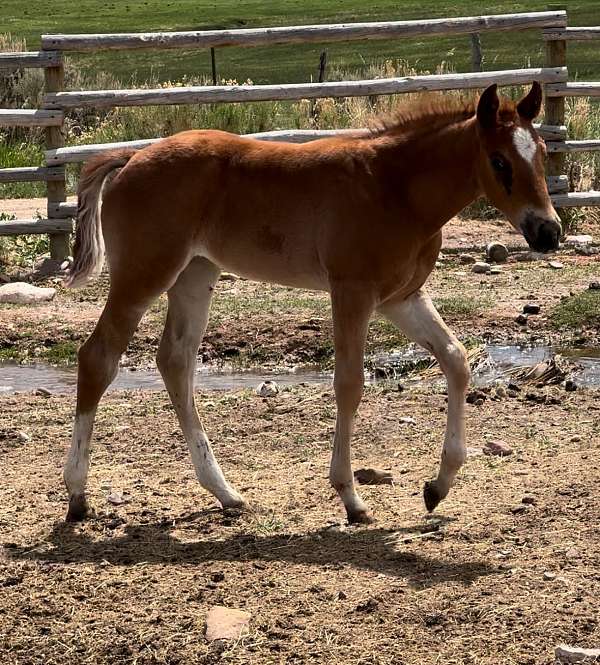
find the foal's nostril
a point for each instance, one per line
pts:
(541, 234)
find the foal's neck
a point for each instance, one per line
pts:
(437, 173)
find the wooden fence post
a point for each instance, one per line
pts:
(556, 56)
(56, 190)
(476, 55)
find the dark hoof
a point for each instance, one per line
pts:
(360, 517)
(431, 495)
(78, 509)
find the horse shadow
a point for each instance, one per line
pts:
(373, 549)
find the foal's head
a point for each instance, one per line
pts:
(511, 166)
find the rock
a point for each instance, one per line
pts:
(116, 498)
(575, 438)
(47, 267)
(529, 500)
(228, 277)
(531, 308)
(43, 392)
(475, 395)
(557, 265)
(594, 286)
(522, 319)
(512, 393)
(407, 420)
(23, 437)
(21, 293)
(500, 392)
(570, 386)
(474, 452)
(586, 250)
(548, 576)
(572, 241)
(517, 510)
(373, 477)
(4, 279)
(498, 448)
(497, 252)
(566, 654)
(439, 264)
(466, 259)
(267, 389)
(495, 270)
(223, 623)
(481, 267)
(479, 401)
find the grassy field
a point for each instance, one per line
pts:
(294, 62)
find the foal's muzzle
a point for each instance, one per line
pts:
(542, 234)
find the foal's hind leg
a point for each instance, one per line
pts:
(351, 309)
(98, 365)
(189, 304)
(418, 319)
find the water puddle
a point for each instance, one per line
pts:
(491, 364)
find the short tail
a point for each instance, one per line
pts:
(88, 251)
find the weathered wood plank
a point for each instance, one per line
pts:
(292, 91)
(29, 59)
(19, 227)
(32, 174)
(571, 34)
(306, 33)
(30, 118)
(557, 184)
(574, 89)
(589, 145)
(81, 153)
(62, 209)
(576, 199)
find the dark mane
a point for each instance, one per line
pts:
(431, 114)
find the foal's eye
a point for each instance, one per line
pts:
(498, 163)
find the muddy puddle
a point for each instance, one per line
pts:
(493, 363)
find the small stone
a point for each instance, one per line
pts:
(522, 319)
(267, 389)
(475, 395)
(594, 286)
(529, 500)
(549, 576)
(474, 452)
(23, 437)
(407, 420)
(228, 277)
(22, 293)
(567, 654)
(531, 308)
(217, 577)
(572, 553)
(373, 477)
(46, 267)
(43, 392)
(575, 439)
(495, 270)
(223, 623)
(514, 386)
(466, 259)
(557, 265)
(572, 241)
(498, 448)
(116, 498)
(512, 393)
(341, 595)
(587, 250)
(481, 267)
(479, 402)
(501, 392)
(497, 252)
(570, 386)
(517, 510)
(439, 264)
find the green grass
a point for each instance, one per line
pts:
(578, 311)
(297, 62)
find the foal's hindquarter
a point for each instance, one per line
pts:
(356, 217)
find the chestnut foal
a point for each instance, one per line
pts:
(359, 216)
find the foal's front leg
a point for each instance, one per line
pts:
(419, 320)
(351, 308)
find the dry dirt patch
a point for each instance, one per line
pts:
(488, 579)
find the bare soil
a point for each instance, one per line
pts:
(263, 325)
(488, 579)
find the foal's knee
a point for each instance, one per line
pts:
(458, 370)
(348, 390)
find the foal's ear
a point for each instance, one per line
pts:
(487, 108)
(530, 105)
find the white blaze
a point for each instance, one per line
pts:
(524, 143)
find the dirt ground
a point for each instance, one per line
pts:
(263, 325)
(487, 580)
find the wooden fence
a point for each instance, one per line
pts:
(57, 101)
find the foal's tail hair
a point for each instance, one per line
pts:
(88, 251)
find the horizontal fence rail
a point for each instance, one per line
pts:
(587, 145)
(295, 91)
(574, 89)
(17, 227)
(576, 199)
(306, 33)
(81, 153)
(572, 34)
(29, 59)
(32, 174)
(30, 118)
